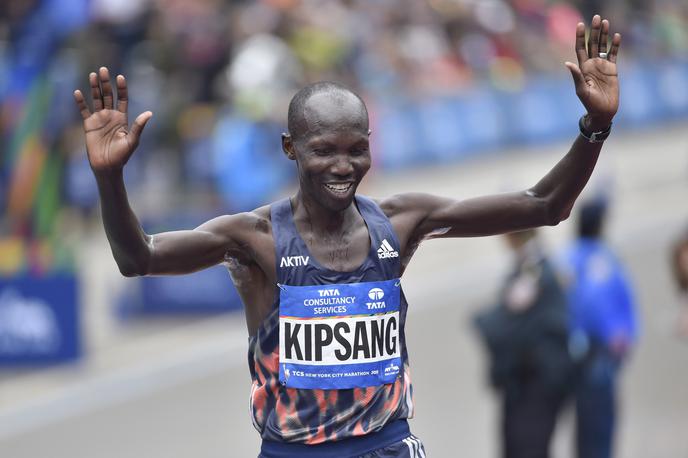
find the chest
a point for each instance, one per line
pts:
(343, 251)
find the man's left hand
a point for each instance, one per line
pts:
(595, 76)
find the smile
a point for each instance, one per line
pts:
(339, 188)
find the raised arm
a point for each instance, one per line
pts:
(551, 199)
(109, 144)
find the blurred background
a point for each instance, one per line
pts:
(466, 97)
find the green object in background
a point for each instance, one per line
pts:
(33, 190)
(318, 49)
(47, 200)
(31, 121)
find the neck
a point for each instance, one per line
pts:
(322, 219)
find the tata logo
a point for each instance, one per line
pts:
(328, 292)
(294, 261)
(376, 294)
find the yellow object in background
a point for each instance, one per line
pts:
(12, 255)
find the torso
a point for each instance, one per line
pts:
(342, 252)
(253, 268)
(289, 403)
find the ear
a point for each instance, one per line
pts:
(288, 146)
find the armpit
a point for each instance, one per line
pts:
(439, 232)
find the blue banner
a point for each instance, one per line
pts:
(207, 291)
(39, 319)
(340, 336)
(448, 128)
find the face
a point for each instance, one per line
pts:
(333, 153)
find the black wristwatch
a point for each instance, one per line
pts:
(593, 137)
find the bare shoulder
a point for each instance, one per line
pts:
(407, 212)
(259, 219)
(408, 203)
(240, 226)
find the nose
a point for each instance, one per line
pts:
(342, 166)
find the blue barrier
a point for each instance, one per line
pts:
(39, 319)
(449, 128)
(207, 291)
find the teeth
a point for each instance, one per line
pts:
(338, 187)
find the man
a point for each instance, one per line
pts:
(526, 335)
(603, 329)
(318, 273)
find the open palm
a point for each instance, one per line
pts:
(595, 76)
(109, 141)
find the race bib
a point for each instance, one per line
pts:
(339, 336)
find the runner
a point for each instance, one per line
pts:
(319, 273)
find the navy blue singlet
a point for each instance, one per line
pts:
(343, 375)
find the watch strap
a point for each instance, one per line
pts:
(593, 137)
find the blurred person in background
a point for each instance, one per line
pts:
(679, 267)
(526, 336)
(328, 246)
(603, 329)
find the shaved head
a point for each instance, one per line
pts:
(325, 105)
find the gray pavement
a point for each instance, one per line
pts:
(180, 388)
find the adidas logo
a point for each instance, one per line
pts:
(386, 251)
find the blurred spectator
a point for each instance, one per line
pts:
(679, 267)
(527, 339)
(603, 327)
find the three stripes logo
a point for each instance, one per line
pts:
(386, 251)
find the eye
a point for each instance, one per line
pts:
(359, 151)
(321, 152)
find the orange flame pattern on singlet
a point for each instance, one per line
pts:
(315, 416)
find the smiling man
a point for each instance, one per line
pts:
(319, 273)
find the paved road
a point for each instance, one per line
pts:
(188, 396)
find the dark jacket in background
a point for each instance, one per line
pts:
(530, 344)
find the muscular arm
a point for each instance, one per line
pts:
(547, 203)
(178, 252)
(109, 144)
(130, 246)
(551, 199)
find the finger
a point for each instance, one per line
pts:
(122, 95)
(107, 87)
(81, 104)
(616, 42)
(95, 92)
(594, 40)
(604, 34)
(577, 75)
(581, 53)
(137, 127)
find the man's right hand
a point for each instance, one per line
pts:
(109, 141)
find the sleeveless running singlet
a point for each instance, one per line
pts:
(329, 362)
